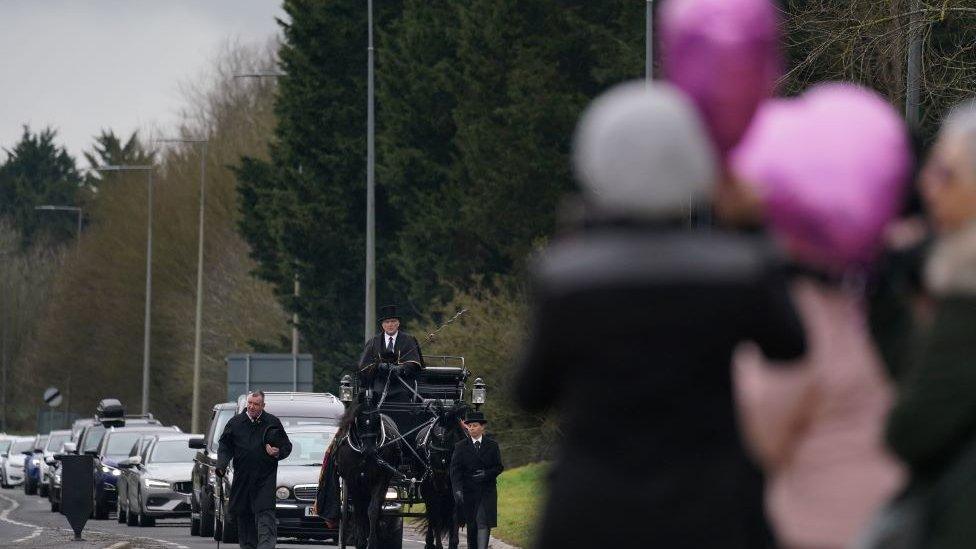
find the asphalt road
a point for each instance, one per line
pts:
(27, 521)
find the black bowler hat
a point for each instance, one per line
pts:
(476, 417)
(387, 312)
(275, 436)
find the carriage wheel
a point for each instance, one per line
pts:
(343, 515)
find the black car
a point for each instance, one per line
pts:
(294, 410)
(115, 446)
(203, 477)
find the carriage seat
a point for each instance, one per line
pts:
(442, 382)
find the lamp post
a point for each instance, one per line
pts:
(649, 42)
(79, 212)
(370, 319)
(296, 290)
(197, 344)
(148, 168)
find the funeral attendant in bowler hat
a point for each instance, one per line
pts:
(392, 345)
(476, 463)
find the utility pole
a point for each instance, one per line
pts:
(649, 43)
(914, 68)
(198, 326)
(148, 168)
(370, 186)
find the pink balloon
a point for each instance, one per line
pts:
(831, 167)
(725, 55)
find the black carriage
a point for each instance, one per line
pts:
(439, 386)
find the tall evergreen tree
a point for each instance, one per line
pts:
(37, 172)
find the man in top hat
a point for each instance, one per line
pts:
(391, 345)
(476, 463)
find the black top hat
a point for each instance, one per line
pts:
(387, 312)
(475, 417)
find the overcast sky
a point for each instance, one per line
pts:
(83, 65)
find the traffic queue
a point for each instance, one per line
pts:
(144, 470)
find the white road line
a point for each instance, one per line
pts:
(4, 516)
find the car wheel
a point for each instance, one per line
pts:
(99, 509)
(55, 506)
(43, 490)
(146, 521)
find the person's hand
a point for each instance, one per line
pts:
(271, 450)
(459, 498)
(219, 472)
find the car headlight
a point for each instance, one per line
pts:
(153, 483)
(391, 493)
(108, 470)
(282, 492)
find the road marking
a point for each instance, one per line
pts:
(4, 516)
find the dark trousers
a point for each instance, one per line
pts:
(478, 530)
(257, 531)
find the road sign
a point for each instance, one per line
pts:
(52, 396)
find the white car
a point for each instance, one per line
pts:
(54, 442)
(12, 461)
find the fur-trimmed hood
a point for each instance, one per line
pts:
(951, 267)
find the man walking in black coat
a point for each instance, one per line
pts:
(476, 463)
(256, 441)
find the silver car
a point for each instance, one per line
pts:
(53, 445)
(160, 484)
(12, 462)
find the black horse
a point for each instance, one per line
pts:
(436, 444)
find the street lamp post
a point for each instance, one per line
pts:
(197, 339)
(80, 213)
(649, 42)
(148, 168)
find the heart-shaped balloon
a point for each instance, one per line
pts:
(831, 167)
(725, 55)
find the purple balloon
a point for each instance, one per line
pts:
(831, 167)
(725, 55)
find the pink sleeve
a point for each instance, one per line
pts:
(773, 403)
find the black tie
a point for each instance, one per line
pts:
(389, 347)
(477, 445)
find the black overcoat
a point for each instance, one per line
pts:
(465, 461)
(632, 335)
(255, 472)
(406, 348)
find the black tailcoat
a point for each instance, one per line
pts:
(465, 461)
(255, 472)
(406, 348)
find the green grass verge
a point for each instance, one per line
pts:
(520, 493)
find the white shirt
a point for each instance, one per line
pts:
(477, 440)
(389, 337)
(253, 419)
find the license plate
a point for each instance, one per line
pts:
(309, 513)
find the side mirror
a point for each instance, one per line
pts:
(135, 460)
(197, 443)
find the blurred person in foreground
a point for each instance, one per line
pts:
(650, 454)
(830, 169)
(933, 424)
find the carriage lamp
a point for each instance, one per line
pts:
(282, 492)
(478, 394)
(345, 389)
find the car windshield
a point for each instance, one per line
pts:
(172, 451)
(291, 421)
(92, 438)
(54, 443)
(223, 417)
(22, 446)
(41, 442)
(4, 445)
(119, 445)
(308, 448)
